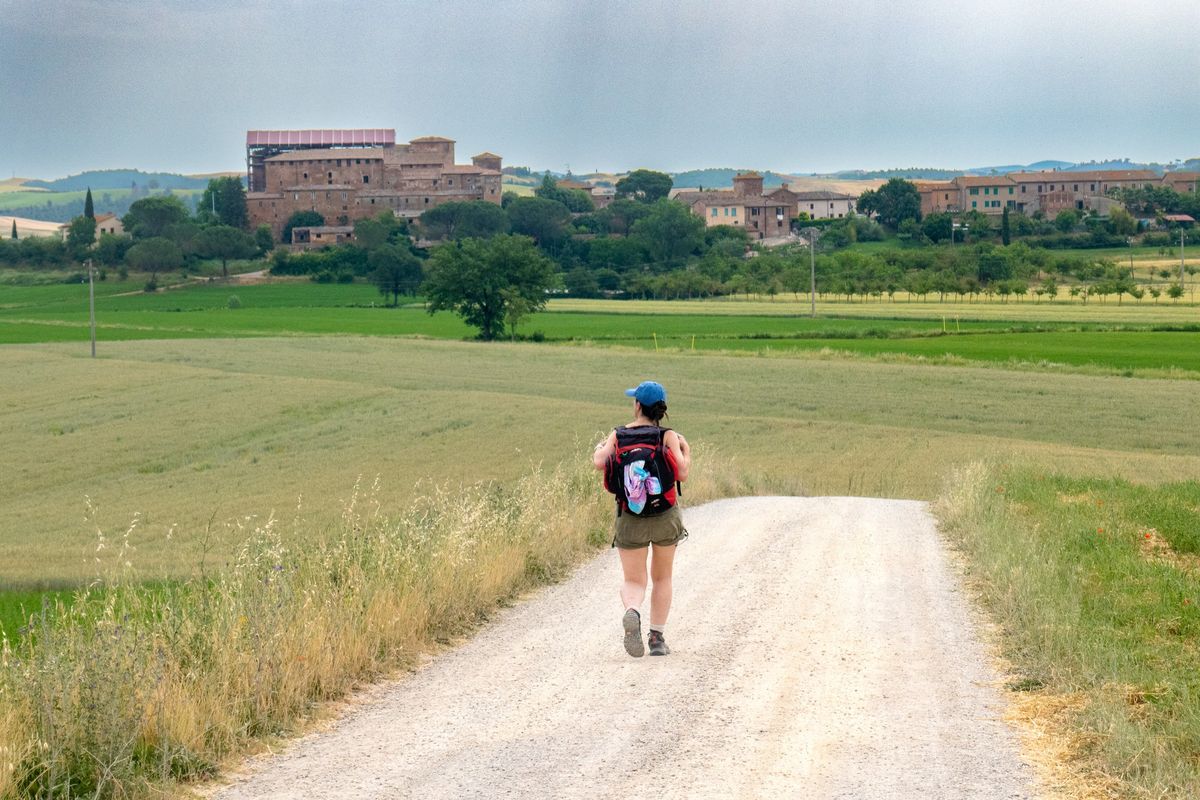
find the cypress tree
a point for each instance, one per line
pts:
(14, 233)
(1005, 231)
(89, 210)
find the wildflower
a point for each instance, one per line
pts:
(1147, 535)
(1099, 530)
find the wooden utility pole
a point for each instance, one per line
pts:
(1180, 256)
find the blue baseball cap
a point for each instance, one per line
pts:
(648, 393)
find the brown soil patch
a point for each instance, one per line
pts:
(1155, 548)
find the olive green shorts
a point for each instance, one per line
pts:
(632, 532)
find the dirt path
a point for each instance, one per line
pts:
(821, 649)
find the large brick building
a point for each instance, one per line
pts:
(764, 215)
(349, 175)
(1048, 192)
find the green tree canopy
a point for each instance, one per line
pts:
(301, 219)
(263, 239)
(474, 219)
(1122, 223)
(111, 248)
(545, 221)
(621, 214)
(576, 200)
(370, 234)
(228, 197)
(151, 216)
(89, 209)
(81, 235)
(936, 227)
(645, 185)
(892, 203)
(670, 232)
(154, 254)
(485, 281)
(1066, 220)
(395, 271)
(225, 242)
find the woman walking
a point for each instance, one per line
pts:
(638, 532)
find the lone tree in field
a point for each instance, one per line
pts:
(89, 210)
(225, 242)
(489, 282)
(394, 271)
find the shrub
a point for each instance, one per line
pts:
(234, 302)
(151, 285)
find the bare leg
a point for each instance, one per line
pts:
(633, 565)
(661, 565)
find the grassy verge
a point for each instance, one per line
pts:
(132, 687)
(1096, 585)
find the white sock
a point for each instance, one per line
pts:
(659, 628)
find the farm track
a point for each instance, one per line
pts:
(821, 649)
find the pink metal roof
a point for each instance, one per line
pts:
(322, 138)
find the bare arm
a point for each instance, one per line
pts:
(682, 451)
(604, 448)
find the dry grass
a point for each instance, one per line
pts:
(1056, 748)
(1098, 623)
(135, 687)
(185, 431)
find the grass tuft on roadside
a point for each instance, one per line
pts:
(1095, 586)
(134, 686)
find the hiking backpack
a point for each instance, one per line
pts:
(641, 472)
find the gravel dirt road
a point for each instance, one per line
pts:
(821, 648)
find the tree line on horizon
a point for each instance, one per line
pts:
(496, 264)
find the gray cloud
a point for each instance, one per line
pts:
(804, 86)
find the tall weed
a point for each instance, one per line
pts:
(1096, 585)
(133, 686)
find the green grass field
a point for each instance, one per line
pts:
(199, 423)
(1124, 337)
(21, 198)
(184, 432)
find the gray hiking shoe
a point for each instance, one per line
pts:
(658, 645)
(632, 622)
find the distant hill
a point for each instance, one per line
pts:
(119, 179)
(719, 177)
(909, 173)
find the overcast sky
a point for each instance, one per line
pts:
(613, 85)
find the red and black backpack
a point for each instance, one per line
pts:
(641, 472)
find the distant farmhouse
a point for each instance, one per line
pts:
(763, 216)
(1048, 192)
(346, 175)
